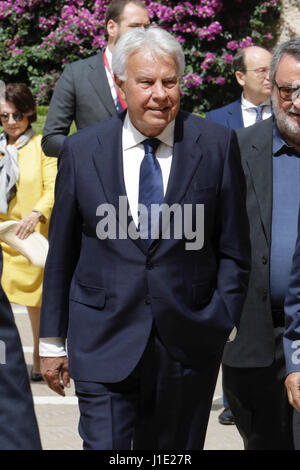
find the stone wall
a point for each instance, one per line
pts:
(289, 20)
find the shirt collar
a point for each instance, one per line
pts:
(109, 57)
(279, 144)
(132, 137)
(248, 105)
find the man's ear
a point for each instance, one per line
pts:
(120, 84)
(240, 77)
(112, 29)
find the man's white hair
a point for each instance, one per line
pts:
(156, 40)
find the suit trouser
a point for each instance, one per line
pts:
(161, 405)
(296, 429)
(258, 400)
(18, 424)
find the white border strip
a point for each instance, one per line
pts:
(49, 400)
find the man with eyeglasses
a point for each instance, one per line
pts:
(254, 367)
(251, 67)
(289, 118)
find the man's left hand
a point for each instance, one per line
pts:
(292, 384)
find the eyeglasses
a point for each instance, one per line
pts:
(288, 92)
(18, 116)
(260, 71)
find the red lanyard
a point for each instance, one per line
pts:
(122, 102)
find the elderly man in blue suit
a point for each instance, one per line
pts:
(251, 67)
(146, 312)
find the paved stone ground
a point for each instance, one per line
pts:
(58, 416)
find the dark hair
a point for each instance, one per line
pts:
(291, 48)
(238, 63)
(21, 96)
(115, 9)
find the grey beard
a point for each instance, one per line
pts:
(285, 123)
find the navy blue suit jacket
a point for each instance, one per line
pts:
(229, 115)
(18, 425)
(104, 295)
(291, 338)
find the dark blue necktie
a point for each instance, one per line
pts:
(259, 111)
(151, 190)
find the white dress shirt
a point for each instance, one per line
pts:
(133, 154)
(249, 111)
(110, 77)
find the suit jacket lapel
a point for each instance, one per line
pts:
(235, 116)
(260, 164)
(98, 79)
(186, 158)
(109, 166)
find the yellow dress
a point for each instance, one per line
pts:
(21, 281)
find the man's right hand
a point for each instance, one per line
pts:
(55, 371)
(292, 384)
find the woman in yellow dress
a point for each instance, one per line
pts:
(27, 179)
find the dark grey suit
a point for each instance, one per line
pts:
(81, 94)
(250, 368)
(254, 346)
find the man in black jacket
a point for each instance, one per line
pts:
(254, 366)
(85, 92)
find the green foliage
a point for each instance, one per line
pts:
(38, 125)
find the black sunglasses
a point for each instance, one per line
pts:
(18, 116)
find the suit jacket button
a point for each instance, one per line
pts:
(149, 265)
(148, 300)
(264, 259)
(265, 294)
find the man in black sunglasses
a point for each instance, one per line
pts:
(254, 367)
